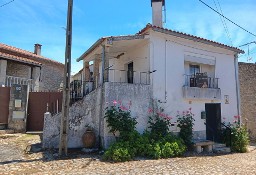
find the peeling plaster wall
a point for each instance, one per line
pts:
(83, 113)
(89, 110)
(136, 96)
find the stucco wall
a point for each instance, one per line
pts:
(136, 97)
(83, 113)
(247, 72)
(167, 58)
(91, 109)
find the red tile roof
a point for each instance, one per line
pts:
(18, 58)
(16, 54)
(188, 36)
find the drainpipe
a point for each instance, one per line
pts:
(165, 76)
(237, 87)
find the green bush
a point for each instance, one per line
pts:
(239, 137)
(158, 122)
(156, 143)
(120, 120)
(186, 123)
(119, 152)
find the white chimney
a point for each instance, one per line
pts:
(37, 50)
(157, 12)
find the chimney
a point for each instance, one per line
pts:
(37, 50)
(157, 12)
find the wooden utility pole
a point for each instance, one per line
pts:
(63, 144)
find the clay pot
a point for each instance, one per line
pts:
(89, 139)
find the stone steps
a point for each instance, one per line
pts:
(221, 148)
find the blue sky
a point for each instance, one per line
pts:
(26, 22)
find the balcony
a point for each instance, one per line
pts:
(201, 87)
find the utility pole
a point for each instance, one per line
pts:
(63, 144)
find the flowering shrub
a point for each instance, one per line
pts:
(159, 122)
(239, 136)
(156, 143)
(119, 120)
(185, 123)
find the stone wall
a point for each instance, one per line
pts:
(90, 111)
(18, 70)
(51, 75)
(247, 77)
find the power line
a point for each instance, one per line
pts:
(227, 18)
(7, 3)
(223, 21)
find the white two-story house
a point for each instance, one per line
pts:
(178, 70)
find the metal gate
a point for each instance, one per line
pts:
(38, 104)
(4, 104)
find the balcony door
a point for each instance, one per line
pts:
(130, 73)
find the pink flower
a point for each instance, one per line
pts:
(114, 102)
(123, 108)
(150, 110)
(236, 116)
(224, 118)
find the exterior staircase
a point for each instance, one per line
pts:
(221, 148)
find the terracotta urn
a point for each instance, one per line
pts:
(89, 138)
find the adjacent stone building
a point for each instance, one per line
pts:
(22, 72)
(247, 77)
(17, 65)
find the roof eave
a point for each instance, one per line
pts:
(21, 61)
(177, 34)
(87, 52)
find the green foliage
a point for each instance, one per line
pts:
(119, 152)
(186, 123)
(156, 143)
(158, 122)
(239, 137)
(120, 120)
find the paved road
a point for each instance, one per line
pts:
(80, 163)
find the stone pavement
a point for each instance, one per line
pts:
(16, 159)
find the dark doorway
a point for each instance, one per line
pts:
(130, 73)
(213, 122)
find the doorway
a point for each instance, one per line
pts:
(213, 122)
(130, 73)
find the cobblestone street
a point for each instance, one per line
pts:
(16, 158)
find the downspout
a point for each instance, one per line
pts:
(237, 87)
(165, 76)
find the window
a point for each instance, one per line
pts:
(194, 69)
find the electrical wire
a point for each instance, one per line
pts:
(227, 18)
(7, 3)
(223, 21)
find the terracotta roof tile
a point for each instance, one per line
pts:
(17, 52)
(173, 32)
(18, 58)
